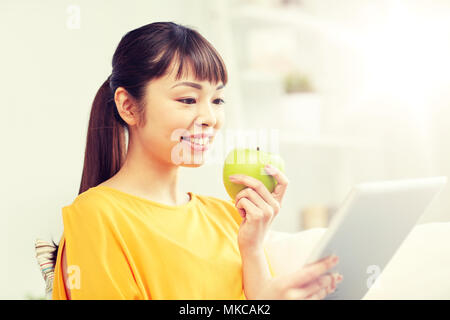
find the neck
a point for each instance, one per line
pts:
(150, 178)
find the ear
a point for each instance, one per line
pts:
(126, 106)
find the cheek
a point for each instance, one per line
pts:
(220, 116)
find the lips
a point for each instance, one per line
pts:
(198, 136)
(198, 142)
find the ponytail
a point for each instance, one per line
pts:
(105, 141)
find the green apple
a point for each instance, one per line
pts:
(250, 162)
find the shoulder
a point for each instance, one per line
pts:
(90, 218)
(92, 196)
(91, 204)
(216, 202)
(221, 205)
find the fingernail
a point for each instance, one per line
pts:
(337, 277)
(334, 259)
(232, 178)
(269, 169)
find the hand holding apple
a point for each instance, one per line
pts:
(250, 162)
(259, 192)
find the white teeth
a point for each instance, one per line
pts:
(200, 141)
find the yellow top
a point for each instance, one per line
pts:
(121, 246)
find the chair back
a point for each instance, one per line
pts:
(44, 254)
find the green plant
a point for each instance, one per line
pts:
(297, 82)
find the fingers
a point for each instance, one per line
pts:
(312, 271)
(316, 290)
(252, 212)
(320, 288)
(282, 182)
(296, 294)
(250, 194)
(259, 188)
(321, 294)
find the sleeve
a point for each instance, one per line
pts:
(97, 267)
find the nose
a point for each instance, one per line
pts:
(206, 115)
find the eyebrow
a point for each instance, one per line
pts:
(194, 85)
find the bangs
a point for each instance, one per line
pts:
(193, 53)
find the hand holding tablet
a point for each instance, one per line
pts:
(311, 282)
(370, 226)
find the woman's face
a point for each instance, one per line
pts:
(176, 108)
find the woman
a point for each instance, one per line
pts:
(130, 233)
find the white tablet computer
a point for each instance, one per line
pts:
(369, 227)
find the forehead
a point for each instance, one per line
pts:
(187, 74)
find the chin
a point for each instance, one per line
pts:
(192, 165)
(185, 157)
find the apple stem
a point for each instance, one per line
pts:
(257, 148)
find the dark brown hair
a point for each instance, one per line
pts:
(142, 54)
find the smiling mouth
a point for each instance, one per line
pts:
(197, 141)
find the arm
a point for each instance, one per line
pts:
(309, 282)
(255, 272)
(258, 207)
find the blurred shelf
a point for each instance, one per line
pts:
(327, 141)
(287, 16)
(260, 76)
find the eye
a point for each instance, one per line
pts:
(187, 101)
(219, 101)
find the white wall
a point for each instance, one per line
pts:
(50, 75)
(382, 71)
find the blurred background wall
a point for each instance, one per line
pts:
(358, 91)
